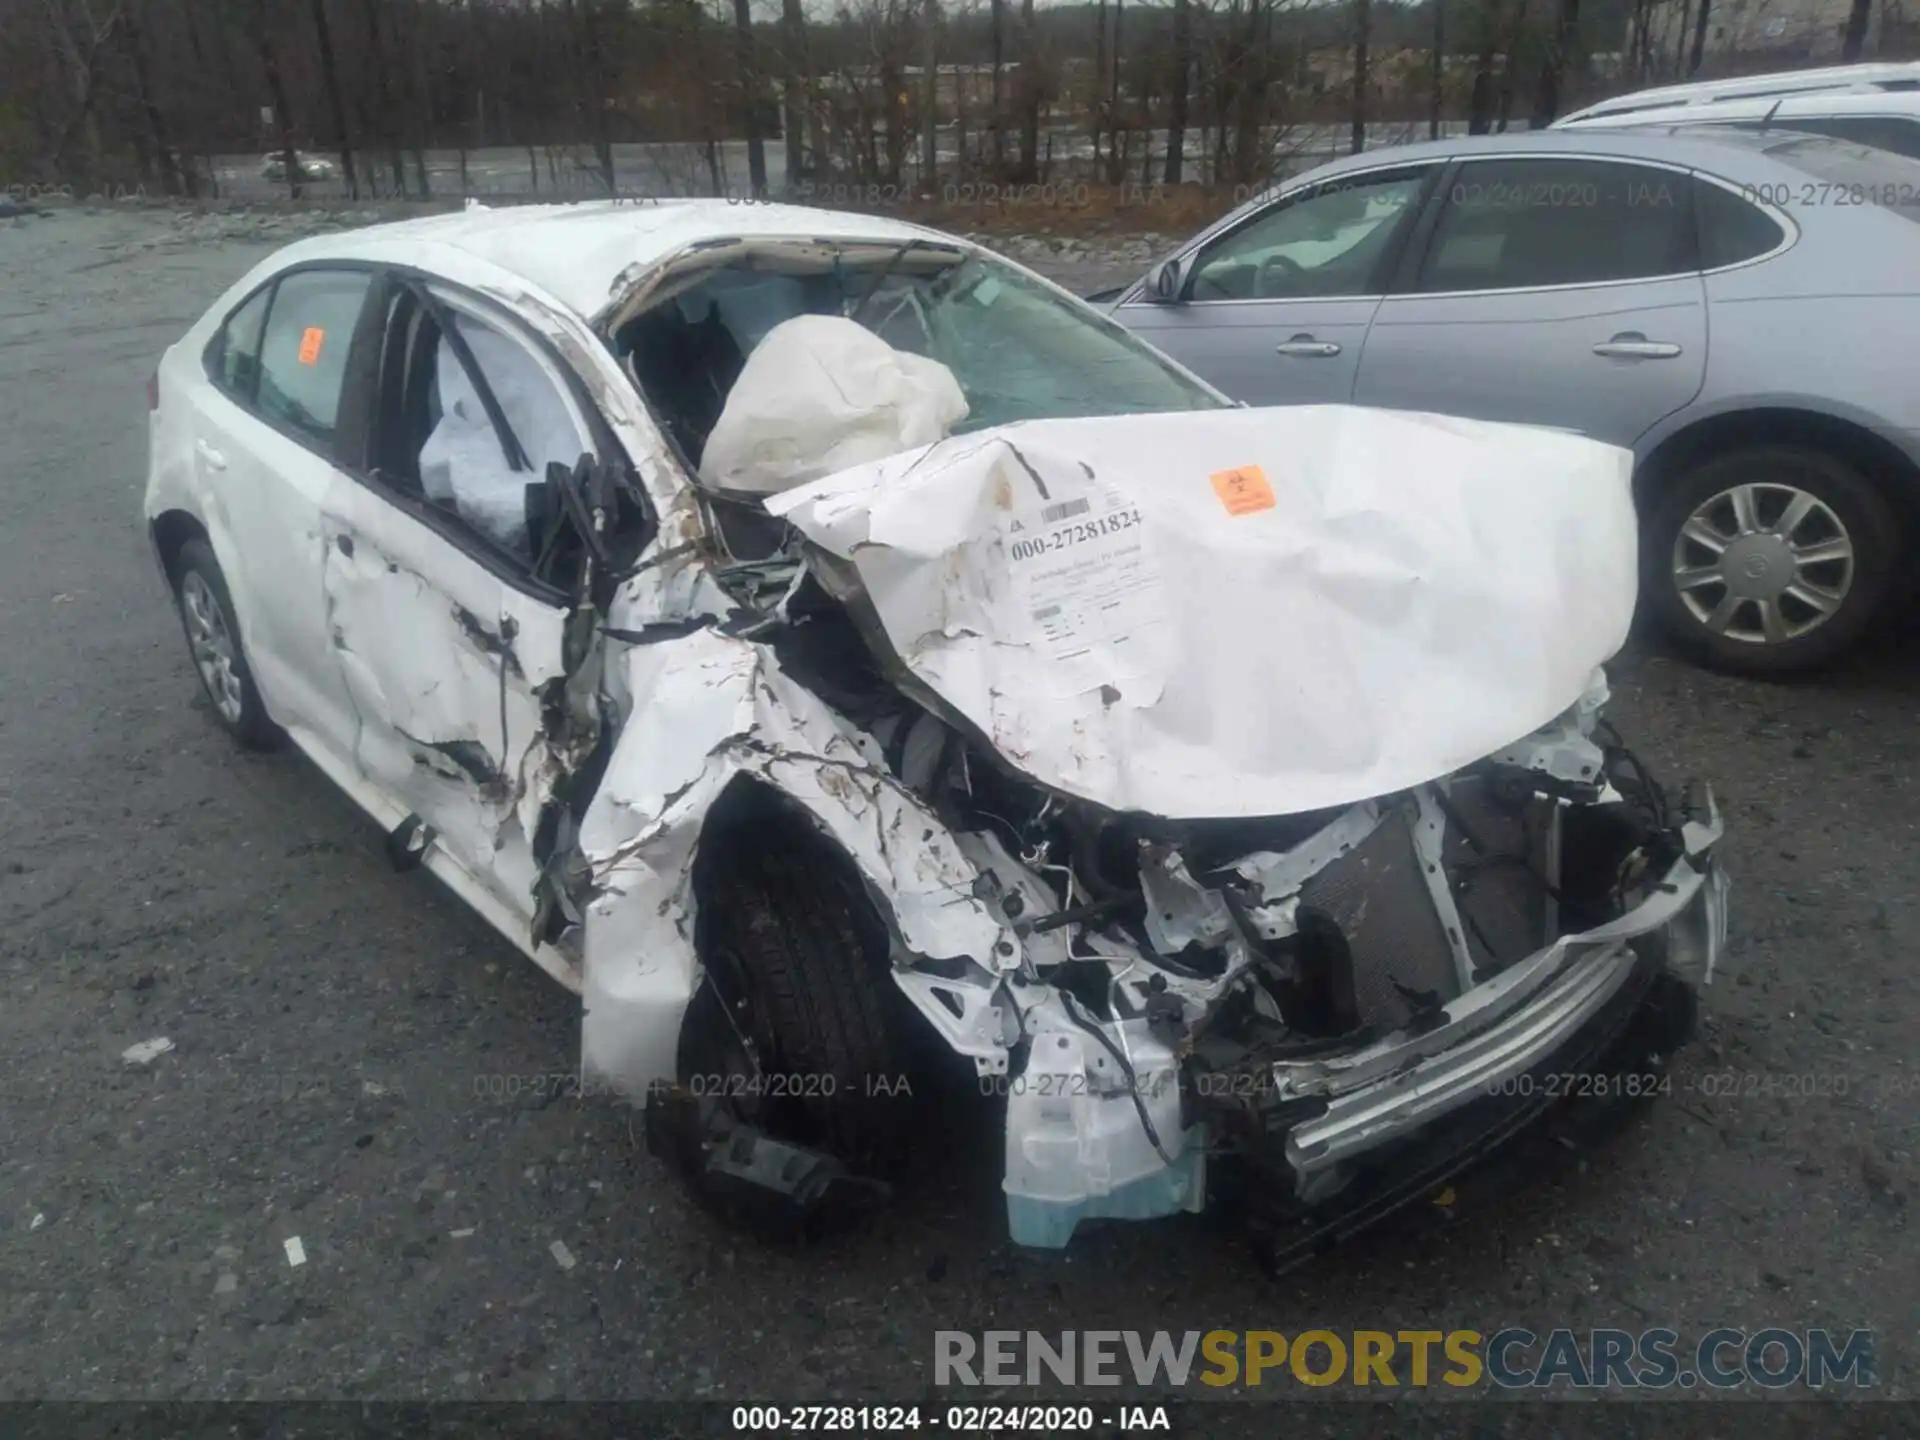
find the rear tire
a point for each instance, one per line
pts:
(796, 1025)
(213, 641)
(1775, 612)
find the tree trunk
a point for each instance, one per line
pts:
(1362, 22)
(382, 104)
(589, 60)
(1512, 70)
(1097, 100)
(277, 92)
(1177, 96)
(422, 109)
(793, 41)
(930, 95)
(997, 24)
(1699, 37)
(336, 104)
(1855, 39)
(1546, 100)
(750, 98)
(1437, 85)
(170, 171)
(1030, 89)
(1116, 139)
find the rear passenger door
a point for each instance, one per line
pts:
(1551, 290)
(449, 644)
(269, 435)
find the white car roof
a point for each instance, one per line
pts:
(1758, 107)
(584, 254)
(1787, 82)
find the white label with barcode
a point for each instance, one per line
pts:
(1087, 589)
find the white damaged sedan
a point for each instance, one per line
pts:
(831, 650)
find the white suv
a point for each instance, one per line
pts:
(1876, 79)
(1866, 114)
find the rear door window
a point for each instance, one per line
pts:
(1731, 229)
(1542, 222)
(233, 360)
(303, 353)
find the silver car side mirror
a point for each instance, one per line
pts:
(1168, 283)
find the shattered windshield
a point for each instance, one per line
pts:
(1019, 351)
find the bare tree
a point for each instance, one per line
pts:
(1182, 66)
(277, 92)
(1546, 100)
(794, 83)
(929, 93)
(336, 103)
(750, 97)
(381, 106)
(1437, 77)
(996, 122)
(1699, 37)
(1362, 22)
(1855, 37)
(134, 38)
(1030, 88)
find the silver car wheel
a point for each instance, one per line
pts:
(1763, 563)
(214, 652)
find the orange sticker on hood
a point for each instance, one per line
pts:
(311, 339)
(1243, 489)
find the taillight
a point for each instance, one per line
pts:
(153, 391)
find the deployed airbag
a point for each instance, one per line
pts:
(819, 394)
(1243, 612)
(462, 462)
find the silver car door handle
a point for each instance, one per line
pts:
(1308, 347)
(212, 458)
(1623, 348)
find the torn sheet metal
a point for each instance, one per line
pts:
(1248, 612)
(709, 708)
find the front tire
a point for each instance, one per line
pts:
(1770, 559)
(213, 639)
(797, 1027)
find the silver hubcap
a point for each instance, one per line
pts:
(1763, 563)
(214, 651)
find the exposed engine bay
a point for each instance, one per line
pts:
(1282, 890)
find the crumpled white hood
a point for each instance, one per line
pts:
(1243, 612)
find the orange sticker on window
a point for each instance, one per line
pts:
(1243, 489)
(311, 339)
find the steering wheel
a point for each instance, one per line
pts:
(1275, 267)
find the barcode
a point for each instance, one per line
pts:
(1064, 510)
(1046, 614)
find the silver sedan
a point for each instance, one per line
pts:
(1740, 310)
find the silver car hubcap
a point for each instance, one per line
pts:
(214, 652)
(1763, 563)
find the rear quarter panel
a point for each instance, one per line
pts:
(1831, 325)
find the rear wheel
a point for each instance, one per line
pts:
(213, 638)
(1769, 559)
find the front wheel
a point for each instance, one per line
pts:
(797, 1032)
(1770, 559)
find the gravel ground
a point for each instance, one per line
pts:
(343, 1034)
